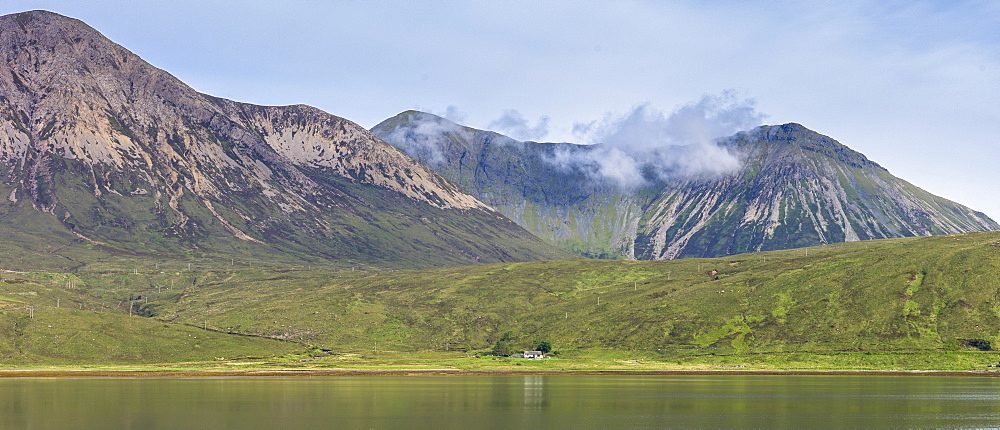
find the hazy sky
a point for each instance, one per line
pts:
(913, 85)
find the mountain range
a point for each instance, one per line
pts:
(789, 187)
(107, 160)
(101, 148)
(102, 151)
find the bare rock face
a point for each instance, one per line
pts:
(793, 188)
(122, 152)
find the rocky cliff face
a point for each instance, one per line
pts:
(794, 188)
(124, 154)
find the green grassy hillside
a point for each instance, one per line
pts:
(41, 323)
(905, 294)
(899, 295)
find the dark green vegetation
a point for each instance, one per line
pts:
(915, 302)
(794, 188)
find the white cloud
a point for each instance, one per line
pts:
(645, 143)
(421, 136)
(513, 124)
(453, 114)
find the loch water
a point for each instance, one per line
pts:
(524, 401)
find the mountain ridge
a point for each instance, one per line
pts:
(837, 193)
(125, 154)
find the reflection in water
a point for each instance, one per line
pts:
(502, 401)
(534, 392)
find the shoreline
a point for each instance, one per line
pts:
(270, 373)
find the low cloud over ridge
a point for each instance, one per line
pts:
(647, 144)
(631, 149)
(513, 124)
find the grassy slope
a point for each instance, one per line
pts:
(93, 334)
(898, 296)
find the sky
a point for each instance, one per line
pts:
(913, 85)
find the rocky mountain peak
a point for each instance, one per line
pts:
(93, 100)
(81, 114)
(791, 137)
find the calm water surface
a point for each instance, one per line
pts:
(502, 402)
